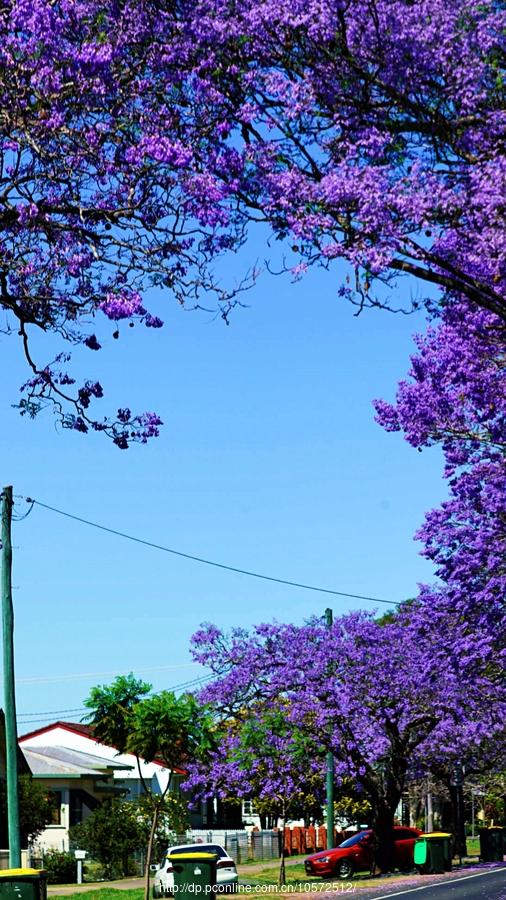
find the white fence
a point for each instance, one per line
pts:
(241, 845)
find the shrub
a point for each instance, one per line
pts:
(60, 866)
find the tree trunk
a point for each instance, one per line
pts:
(149, 852)
(458, 820)
(383, 825)
(282, 872)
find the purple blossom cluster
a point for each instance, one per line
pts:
(456, 397)
(139, 142)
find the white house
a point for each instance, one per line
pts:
(81, 773)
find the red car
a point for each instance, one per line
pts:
(356, 853)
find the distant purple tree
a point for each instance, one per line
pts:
(261, 756)
(384, 698)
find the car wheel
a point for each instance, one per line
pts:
(345, 869)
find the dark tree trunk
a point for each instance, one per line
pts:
(383, 825)
(458, 820)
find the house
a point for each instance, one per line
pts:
(81, 772)
(77, 782)
(96, 771)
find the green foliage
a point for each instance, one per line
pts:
(172, 819)
(35, 807)
(104, 894)
(161, 727)
(350, 804)
(168, 728)
(269, 761)
(112, 707)
(494, 801)
(60, 866)
(110, 834)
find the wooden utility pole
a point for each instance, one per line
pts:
(330, 771)
(11, 737)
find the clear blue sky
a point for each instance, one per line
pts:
(269, 460)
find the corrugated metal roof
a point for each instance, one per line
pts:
(64, 761)
(87, 731)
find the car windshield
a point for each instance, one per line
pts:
(197, 848)
(354, 840)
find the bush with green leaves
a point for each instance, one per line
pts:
(60, 866)
(35, 807)
(110, 835)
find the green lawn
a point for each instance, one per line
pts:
(102, 894)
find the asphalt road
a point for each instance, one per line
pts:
(488, 885)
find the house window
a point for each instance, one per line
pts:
(55, 798)
(248, 808)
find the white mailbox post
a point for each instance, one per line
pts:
(80, 855)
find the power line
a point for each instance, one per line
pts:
(208, 562)
(47, 679)
(49, 714)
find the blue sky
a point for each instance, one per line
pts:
(269, 460)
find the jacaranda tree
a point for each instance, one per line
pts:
(456, 397)
(384, 698)
(138, 141)
(368, 129)
(99, 197)
(258, 754)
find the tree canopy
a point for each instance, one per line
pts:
(153, 727)
(387, 699)
(139, 142)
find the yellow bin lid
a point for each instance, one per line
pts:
(202, 855)
(19, 872)
(434, 834)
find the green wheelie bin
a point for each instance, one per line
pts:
(433, 852)
(194, 873)
(492, 843)
(23, 884)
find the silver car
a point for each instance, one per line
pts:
(226, 872)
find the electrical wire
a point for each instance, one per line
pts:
(208, 562)
(48, 715)
(45, 679)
